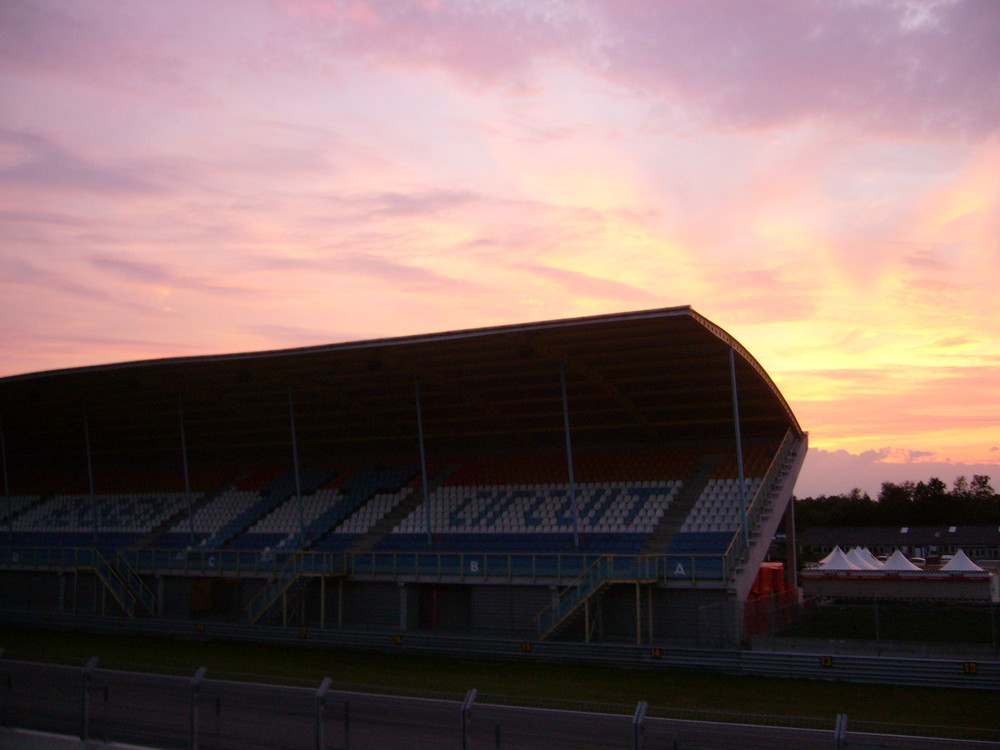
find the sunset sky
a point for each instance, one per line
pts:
(820, 178)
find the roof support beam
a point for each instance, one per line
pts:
(595, 378)
(361, 408)
(471, 398)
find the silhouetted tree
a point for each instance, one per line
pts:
(961, 487)
(981, 486)
(929, 503)
(896, 503)
(932, 503)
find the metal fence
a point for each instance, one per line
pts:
(459, 566)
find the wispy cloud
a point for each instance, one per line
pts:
(584, 285)
(159, 275)
(16, 272)
(735, 64)
(36, 161)
(392, 274)
(295, 336)
(396, 204)
(759, 66)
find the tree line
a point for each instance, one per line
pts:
(931, 503)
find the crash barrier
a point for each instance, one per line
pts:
(980, 671)
(204, 711)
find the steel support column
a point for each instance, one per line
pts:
(791, 548)
(569, 457)
(739, 447)
(6, 486)
(187, 476)
(649, 611)
(295, 464)
(90, 471)
(423, 459)
(638, 615)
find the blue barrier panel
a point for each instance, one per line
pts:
(693, 567)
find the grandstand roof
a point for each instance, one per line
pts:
(638, 378)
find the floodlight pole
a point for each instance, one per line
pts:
(187, 477)
(6, 486)
(739, 446)
(423, 460)
(295, 462)
(90, 470)
(569, 457)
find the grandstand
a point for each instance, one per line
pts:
(607, 478)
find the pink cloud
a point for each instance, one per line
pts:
(41, 163)
(735, 65)
(159, 274)
(19, 273)
(763, 64)
(762, 296)
(480, 43)
(582, 285)
(838, 472)
(732, 65)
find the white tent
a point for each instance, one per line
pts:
(899, 562)
(873, 561)
(961, 563)
(837, 560)
(858, 559)
(836, 550)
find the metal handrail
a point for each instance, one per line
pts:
(269, 594)
(586, 583)
(736, 548)
(135, 583)
(532, 566)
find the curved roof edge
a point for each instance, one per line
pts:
(665, 312)
(373, 343)
(750, 360)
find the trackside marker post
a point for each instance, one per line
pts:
(840, 732)
(324, 688)
(470, 699)
(638, 724)
(195, 692)
(88, 675)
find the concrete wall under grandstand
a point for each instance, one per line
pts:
(613, 478)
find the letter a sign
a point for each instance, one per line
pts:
(679, 570)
